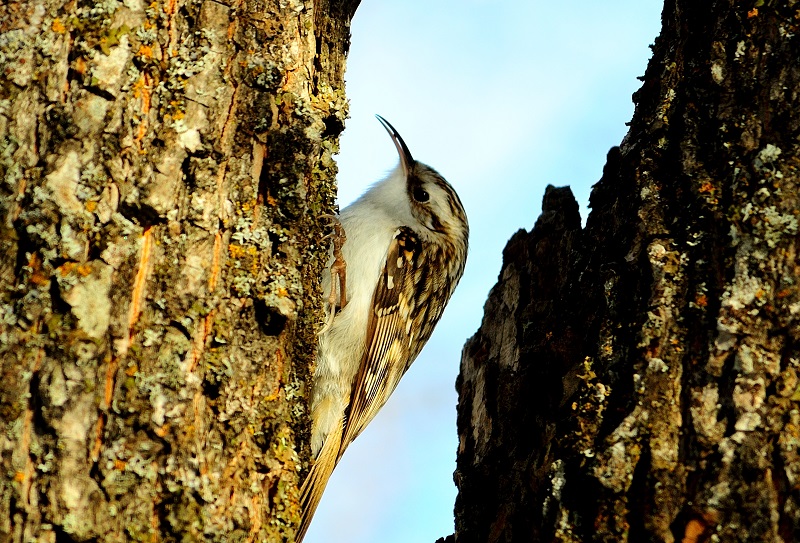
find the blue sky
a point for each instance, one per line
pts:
(502, 97)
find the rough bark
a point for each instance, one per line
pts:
(164, 168)
(637, 380)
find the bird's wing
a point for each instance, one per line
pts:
(391, 344)
(390, 350)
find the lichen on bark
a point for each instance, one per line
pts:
(164, 168)
(644, 385)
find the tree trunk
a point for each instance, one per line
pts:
(637, 380)
(164, 167)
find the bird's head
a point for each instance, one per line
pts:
(432, 200)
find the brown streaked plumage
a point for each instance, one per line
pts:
(405, 253)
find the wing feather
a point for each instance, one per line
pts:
(389, 341)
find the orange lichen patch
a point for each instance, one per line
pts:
(213, 276)
(707, 187)
(137, 297)
(139, 282)
(39, 279)
(273, 395)
(24, 477)
(701, 300)
(271, 200)
(694, 530)
(230, 123)
(140, 132)
(200, 337)
(161, 431)
(94, 455)
(145, 51)
(141, 90)
(37, 276)
(170, 11)
(139, 87)
(111, 371)
(236, 251)
(58, 26)
(80, 65)
(240, 251)
(752, 13)
(783, 293)
(132, 370)
(255, 517)
(175, 107)
(120, 465)
(66, 269)
(91, 205)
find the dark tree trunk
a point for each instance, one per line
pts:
(637, 380)
(164, 166)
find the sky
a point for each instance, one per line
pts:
(502, 97)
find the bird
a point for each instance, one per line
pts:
(403, 247)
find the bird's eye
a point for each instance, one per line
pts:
(421, 195)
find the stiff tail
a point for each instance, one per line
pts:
(314, 485)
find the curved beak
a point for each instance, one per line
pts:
(406, 161)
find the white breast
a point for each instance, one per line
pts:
(370, 225)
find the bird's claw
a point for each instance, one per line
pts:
(338, 272)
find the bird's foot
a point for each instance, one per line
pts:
(338, 273)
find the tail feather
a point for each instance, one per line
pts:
(317, 479)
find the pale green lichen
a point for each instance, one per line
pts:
(777, 225)
(769, 154)
(770, 226)
(742, 292)
(152, 336)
